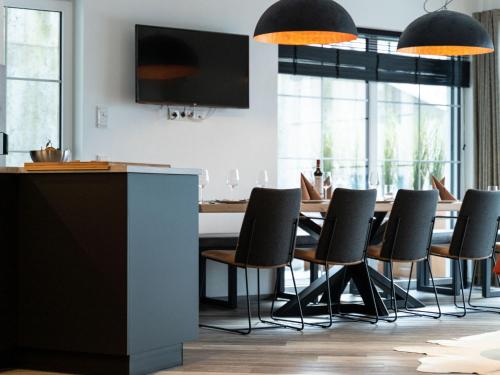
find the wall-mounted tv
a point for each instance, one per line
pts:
(187, 67)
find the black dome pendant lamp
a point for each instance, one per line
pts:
(445, 33)
(302, 22)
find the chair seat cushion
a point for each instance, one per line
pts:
(221, 256)
(442, 251)
(309, 255)
(375, 252)
(229, 257)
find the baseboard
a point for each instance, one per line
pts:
(156, 360)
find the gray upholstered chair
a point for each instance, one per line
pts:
(474, 237)
(267, 241)
(344, 237)
(408, 239)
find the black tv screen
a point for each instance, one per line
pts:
(188, 67)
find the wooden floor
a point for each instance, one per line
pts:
(347, 348)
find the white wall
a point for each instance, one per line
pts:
(246, 139)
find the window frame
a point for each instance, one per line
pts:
(65, 7)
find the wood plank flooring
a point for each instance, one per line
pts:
(347, 348)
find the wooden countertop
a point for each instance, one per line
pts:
(113, 167)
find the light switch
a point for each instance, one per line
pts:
(102, 117)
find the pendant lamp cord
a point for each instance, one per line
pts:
(443, 7)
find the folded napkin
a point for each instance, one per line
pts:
(309, 192)
(444, 194)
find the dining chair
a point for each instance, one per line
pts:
(266, 241)
(343, 240)
(474, 238)
(407, 239)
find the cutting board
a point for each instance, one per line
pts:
(70, 166)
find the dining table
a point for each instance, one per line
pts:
(312, 296)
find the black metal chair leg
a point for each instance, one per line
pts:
(409, 285)
(242, 331)
(394, 301)
(462, 292)
(373, 290)
(482, 308)
(393, 298)
(274, 321)
(328, 323)
(363, 318)
(419, 312)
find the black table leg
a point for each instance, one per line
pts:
(487, 268)
(338, 283)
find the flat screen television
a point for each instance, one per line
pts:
(187, 67)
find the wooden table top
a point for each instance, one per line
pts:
(220, 208)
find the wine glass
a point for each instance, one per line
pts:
(327, 184)
(204, 180)
(390, 193)
(492, 188)
(374, 180)
(262, 179)
(233, 180)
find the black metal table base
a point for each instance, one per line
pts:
(338, 283)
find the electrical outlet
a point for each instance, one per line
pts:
(102, 117)
(174, 114)
(195, 114)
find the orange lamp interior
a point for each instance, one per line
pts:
(299, 38)
(446, 50)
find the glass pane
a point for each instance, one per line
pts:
(299, 85)
(434, 143)
(347, 174)
(299, 127)
(289, 171)
(344, 129)
(32, 114)
(435, 95)
(33, 44)
(398, 92)
(344, 89)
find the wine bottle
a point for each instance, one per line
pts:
(318, 178)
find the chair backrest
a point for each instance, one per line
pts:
(268, 232)
(476, 225)
(346, 228)
(409, 229)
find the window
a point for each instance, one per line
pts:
(361, 108)
(416, 135)
(414, 131)
(322, 118)
(38, 76)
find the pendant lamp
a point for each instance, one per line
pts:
(302, 22)
(445, 33)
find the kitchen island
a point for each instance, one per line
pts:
(98, 270)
